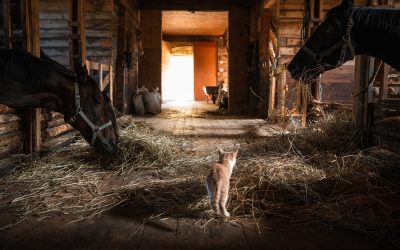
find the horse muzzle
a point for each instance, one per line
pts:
(106, 147)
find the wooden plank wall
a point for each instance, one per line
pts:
(99, 25)
(54, 31)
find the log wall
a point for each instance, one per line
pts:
(11, 131)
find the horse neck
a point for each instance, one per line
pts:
(374, 35)
(63, 88)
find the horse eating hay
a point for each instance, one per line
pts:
(29, 81)
(347, 31)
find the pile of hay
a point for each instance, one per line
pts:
(302, 175)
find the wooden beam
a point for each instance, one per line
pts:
(118, 88)
(101, 76)
(77, 27)
(7, 23)
(111, 85)
(192, 5)
(383, 88)
(269, 3)
(30, 16)
(182, 38)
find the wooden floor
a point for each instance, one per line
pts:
(125, 228)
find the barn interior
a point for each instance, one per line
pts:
(317, 165)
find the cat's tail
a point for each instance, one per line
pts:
(216, 197)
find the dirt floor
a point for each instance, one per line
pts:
(127, 227)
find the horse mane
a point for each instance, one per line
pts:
(384, 19)
(57, 66)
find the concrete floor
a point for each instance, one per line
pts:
(125, 228)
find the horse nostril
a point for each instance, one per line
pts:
(112, 144)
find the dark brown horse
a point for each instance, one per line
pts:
(29, 81)
(347, 31)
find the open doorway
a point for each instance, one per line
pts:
(194, 54)
(177, 72)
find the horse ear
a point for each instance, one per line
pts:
(347, 3)
(81, 73)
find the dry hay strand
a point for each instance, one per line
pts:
(303, 175)
(76, 181)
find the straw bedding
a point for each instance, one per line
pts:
(306, 175)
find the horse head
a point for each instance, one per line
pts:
(92, 113)
(329, 46)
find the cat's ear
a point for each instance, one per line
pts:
(220, 151)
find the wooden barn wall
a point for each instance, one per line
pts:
(11, 131)
(126, 54)
(150, 63)
(99, 27)
(54, 30)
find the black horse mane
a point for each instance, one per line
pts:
(384, 19)
(19, 65)
(57, 66)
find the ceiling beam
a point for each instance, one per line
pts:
(188, 38)
(192, 5)
(269, 3)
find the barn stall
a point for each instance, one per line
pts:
(318, 184)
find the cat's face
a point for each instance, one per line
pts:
(228, 156)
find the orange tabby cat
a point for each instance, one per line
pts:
(217, 181)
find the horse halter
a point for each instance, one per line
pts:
(345, 42)
(95, 129)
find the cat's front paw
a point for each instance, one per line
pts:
(227, 214)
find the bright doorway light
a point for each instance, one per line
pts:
(178, 84)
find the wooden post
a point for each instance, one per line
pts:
(7, 24)
(101, 76)
(77, 45)
(118, 90)
(30, 16)
(272, 96)
(383, 88)
(360, 97)
(238, 52)
(283, 92)
(111, 85)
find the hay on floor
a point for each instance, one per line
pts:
(303, 175)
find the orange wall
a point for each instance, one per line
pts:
(205, 67)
